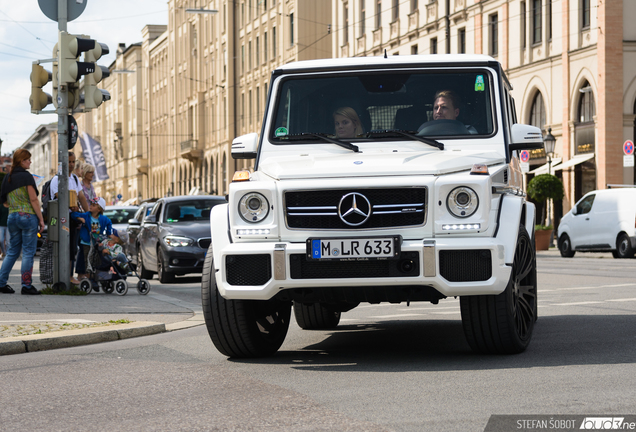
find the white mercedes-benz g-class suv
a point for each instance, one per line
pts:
(376, 180)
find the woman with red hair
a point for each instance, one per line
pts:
(20, 194)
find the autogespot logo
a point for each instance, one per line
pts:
(354, 209)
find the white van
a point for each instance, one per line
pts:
(602, 221)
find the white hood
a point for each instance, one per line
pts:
(375, 164)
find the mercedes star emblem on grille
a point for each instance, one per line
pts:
(354, 209)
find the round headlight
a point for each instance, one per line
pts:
(462, 202)
(253, 207)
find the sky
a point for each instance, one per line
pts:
(26, 34)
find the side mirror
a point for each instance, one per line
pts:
(525, 137)
(151, 219)
(133, 221)
(245, 146)
(574, 210)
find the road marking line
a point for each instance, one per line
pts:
(396, 316)
(577, 303)
(621, 300)
(586, 288)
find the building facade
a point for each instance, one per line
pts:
(571, 62)
(188, 89)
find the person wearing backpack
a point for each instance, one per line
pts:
(73, 185)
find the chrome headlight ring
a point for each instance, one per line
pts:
(253, 207)
(462, 202)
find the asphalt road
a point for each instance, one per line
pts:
(387, 367)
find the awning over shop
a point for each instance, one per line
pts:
(543, 169)
(577, 159)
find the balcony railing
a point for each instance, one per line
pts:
(190, 149)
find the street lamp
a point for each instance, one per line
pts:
(549, 142)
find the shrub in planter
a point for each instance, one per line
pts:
(544, 187)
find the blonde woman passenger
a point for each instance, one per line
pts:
(347, 123)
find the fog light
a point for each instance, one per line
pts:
(175, 261)
(243, 232)
(461, 227)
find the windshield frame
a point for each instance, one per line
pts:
(280, 87)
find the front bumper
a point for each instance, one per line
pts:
(451, 266)
(184, 260)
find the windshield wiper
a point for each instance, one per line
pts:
(304, 135)
(410, 134)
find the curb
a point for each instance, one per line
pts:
(72, 338)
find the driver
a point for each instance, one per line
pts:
(446, 107)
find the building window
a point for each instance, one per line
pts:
(291, 29)
(395, 11)
(537, 111)
(536, 21)
(586, 104)
(249, 55)
(242, 59)
(266, 47)
(258, 49)
(549, 19)
(434, 46)
(522, 16)
(585, 14)
(461, 41)
(414, 49)
(345, 36)
(493, 31)
(274, 42)
(363, 16)
(378, 14)
(413, 5)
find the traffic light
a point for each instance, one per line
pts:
(70, 48)
(93, 96)
(39, 78)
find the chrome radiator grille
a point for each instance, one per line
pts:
(355, 208)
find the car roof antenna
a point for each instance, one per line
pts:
(385, 53)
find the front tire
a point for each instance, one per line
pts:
(315, 316)
(162, 274)
(141, 270)
(623, 247)
(503, 324)
(565, 246)
(242, 328)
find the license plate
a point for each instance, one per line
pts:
(343, 249)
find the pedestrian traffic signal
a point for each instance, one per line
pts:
(93, 96)
(39, 78)
(70, 48)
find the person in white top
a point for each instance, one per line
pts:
(75, 185)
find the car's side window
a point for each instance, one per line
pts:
(585, 205)
(157, 210)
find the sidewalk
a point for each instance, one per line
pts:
(147, 314)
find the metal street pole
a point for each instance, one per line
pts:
(63, 258)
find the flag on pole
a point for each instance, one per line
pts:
(94, 155)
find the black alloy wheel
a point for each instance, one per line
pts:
(503, 323)
(242, 328)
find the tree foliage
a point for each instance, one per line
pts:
(544, 187)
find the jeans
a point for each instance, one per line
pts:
(4, 236)
(23, 229)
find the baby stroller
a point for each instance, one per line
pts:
(107, 274)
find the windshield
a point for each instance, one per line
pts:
(430, 103)
(120, 216)
(188, 211)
